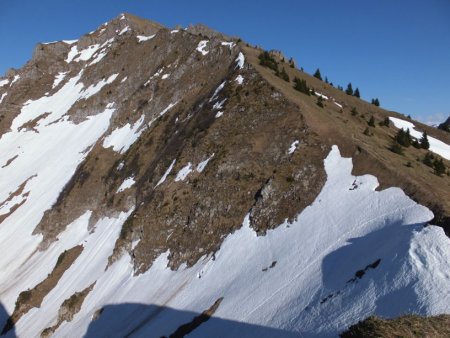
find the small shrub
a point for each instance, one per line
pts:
(284, 75)
(396, 148)
(439, 167)
(371, 122)
(428, 159)
(354, 111)
(320, 102)
(409, 164)
(367, 132)
(266, 60)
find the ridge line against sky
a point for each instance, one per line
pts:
(396, 50)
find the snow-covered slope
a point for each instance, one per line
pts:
(354, 252)
(128, 209)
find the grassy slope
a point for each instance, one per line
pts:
(371, 154)
(406, 326)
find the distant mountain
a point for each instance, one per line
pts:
(445, 125)
(163, 182)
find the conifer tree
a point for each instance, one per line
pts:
(356, 93)
(371, 122)
(349, 90)
(376, 102)
(317, 74)
(424, 143)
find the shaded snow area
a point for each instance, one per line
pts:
(122, 138)
(293, 147)
(128, 183)
(352, 253)
(436, 146)
(142, 38)
(201, 47)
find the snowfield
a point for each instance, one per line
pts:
(367, 254)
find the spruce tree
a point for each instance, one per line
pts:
(301, 86)
(371, 122)
(403, 137)
(349, 90)
(356, 93)
(317, 74)
(424, 143)
(376, 102)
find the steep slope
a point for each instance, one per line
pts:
(159, 182)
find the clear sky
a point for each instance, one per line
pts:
(396, 50)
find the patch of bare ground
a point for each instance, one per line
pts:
(33, 298)
(10, 161)
(410, 326)
(69, 308)
(371, 154)
(18, 192)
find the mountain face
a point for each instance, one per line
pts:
(159, 182)
(445, 125)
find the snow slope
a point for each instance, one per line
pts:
(368, 253)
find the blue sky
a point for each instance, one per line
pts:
(396, 50)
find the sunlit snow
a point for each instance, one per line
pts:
(436, 146)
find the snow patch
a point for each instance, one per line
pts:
(239, 79)
(184, 172)
(229, 44)
(293, 147)
(4, 82)
(436, 146)
(17, 77)
(142, 38)
(240, 61)
(163, 178)
(165, 76)
(201, 47)
(58, 79)
(216, 92)
(321, 95)
(123, 31)
(128, 183)
(121, 139)
(219, 114)
(94, 89)
(2, 97)
(202, 165)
